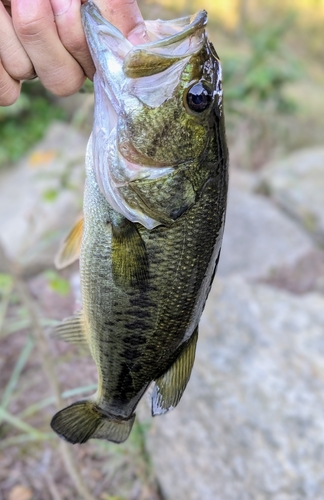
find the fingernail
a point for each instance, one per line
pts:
(138, 35)
(60, 6)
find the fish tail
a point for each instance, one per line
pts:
(84, 420)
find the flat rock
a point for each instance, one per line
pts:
(41, 197)
(251, 422)
(258, 236)
(297, 185)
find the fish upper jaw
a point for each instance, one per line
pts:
(108, 48)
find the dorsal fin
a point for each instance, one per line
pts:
(70, 249)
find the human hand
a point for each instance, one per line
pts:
(45, 38)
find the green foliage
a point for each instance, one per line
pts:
(259, 78)
(105, 496)
(87, 87)
(58, 284)
(6, 284)
(25, 122)
(50, 195)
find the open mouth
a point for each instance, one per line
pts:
(170, 42)
(148, 72)
(162, 35)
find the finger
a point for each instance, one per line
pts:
(69, 26)
(56, 67)
(13, 57)
(7, 4)
(9, 88)
(126, 16)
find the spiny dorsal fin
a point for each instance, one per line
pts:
(170, 387)
(70, 249)
(71, 330)
(129, 258)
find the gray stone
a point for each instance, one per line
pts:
(305, 275)
(297, 185)
(251, 422)
(41, 197)
(243, 180)
(258, 237)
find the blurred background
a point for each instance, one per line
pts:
(250, 425)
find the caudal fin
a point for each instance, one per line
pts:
(82, 421)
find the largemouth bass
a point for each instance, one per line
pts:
(154, 211)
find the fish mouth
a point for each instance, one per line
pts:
(160, 33)
(147, 73)
(168, 40)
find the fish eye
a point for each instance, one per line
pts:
(199, 97)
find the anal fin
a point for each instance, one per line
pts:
(171, 385)
(71, 330)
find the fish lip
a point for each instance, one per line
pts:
(89, 10)
(98, 31)
(191, 24)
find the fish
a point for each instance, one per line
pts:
(153, 219)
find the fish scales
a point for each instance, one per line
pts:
(154, 213)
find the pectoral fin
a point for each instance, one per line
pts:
(70, 249)
(170, 387)
(71, 330)
(129, 258)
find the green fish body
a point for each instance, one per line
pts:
(154, 212)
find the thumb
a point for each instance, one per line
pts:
(126, 16)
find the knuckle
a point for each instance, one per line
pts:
(29, 75)
(76, 45)
(9, 93)
(29, 29)
(18, 66)
(66, 86)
